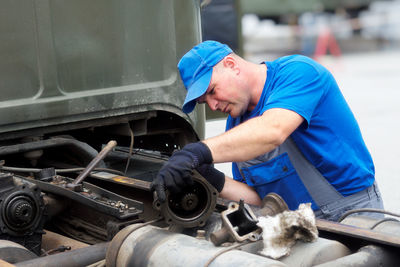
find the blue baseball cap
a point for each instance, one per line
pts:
(195, 68)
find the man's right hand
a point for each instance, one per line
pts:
(177, 171)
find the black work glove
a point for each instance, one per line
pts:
(212, 175)
(177, 171)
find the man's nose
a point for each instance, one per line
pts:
(213, 104)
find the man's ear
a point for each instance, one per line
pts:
(231, 62)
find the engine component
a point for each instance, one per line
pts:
(192, 207)
(272, 204)
(146, 245)
(95, 197)
(239, 224)
(22, 210)
(46, 174)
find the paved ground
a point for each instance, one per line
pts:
(371, 85)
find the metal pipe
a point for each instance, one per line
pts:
(75, 258)
(153, 246)
(272, 204)
(221, 236)
(368, 256)
(94, 162)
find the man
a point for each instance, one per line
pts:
(289, 131)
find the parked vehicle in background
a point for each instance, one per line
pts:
(282, 10)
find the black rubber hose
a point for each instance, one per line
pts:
(83, 149)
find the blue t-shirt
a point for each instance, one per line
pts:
(329, 137)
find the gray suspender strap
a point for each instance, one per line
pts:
(319, 188)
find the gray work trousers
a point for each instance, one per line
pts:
(367, 198)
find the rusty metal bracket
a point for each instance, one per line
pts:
(357, 233)
(239, 224)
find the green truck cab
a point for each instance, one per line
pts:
(90, 68)
(75, 75)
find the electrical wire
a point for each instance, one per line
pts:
(382, 221)
(130, 148)
(367, 210)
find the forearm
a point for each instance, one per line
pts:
(241, 143)
(254, 137)
(234, 190)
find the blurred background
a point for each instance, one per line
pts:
(357, 40)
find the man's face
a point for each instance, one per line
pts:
(226, 91)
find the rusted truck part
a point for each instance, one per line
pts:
(192, 207)
(22, 212)
(239, 224)
(158, 247)
(139, 245)
(355, 233)
(239, 221)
